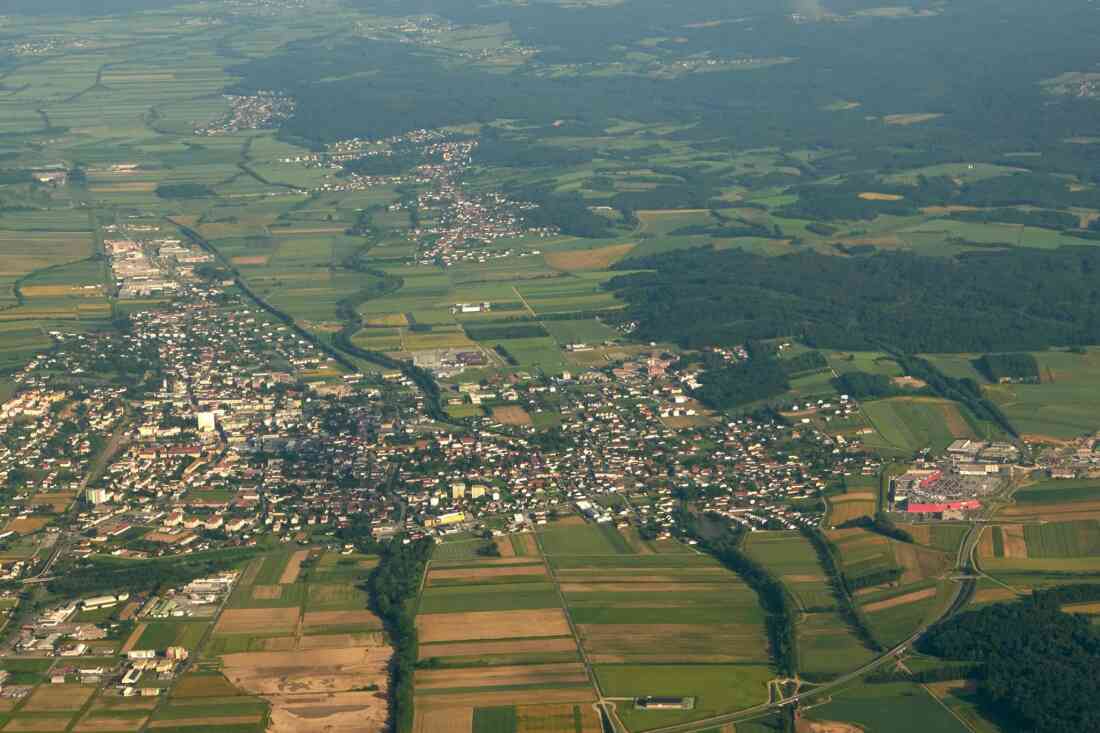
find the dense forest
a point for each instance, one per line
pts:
(983, 302)
(1038, 664)
(1008, 367)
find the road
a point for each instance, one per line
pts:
(964, 566)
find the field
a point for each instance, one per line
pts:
(909, 424)
(897, 707)
(1063, 405)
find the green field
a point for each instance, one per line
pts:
(905, 425)
(1058, 491)
(583, 539)
(1064, 405)
(717, 688)
(898, 708)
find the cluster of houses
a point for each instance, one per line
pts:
(260, 111)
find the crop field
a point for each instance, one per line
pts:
(941, 536)
(846, 507)
(909, 424)
(1063, 405)
(897, 707)
(1058, 491)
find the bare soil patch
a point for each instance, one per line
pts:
(985, 543)
(109, 725)
(279, 643)
(340, 641)
(293, 567)
(904, 600)
(530, 674)
(1014, 542)
(994, 595)
(485, 573)
(361, 618)
(27, 525)
(533, 696)
(305, 671)
(504, 547)
(266, 592)
(444, 720)
(511, 415)
(599, 258)
(249, 260)
(491, 625)
(873, 196)
(257, 621)
(826, 726)
(487, 648)
(133, 639)
(37, 725)
(911, 119)
(58, 697)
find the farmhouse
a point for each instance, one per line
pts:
(664, 703)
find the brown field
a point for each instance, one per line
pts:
(293, 567)
(109, 725)
(1014, 542)
(58, 501)
(133, 639)
(555, 719)
(444, 720)
(27, 525)
(250, 260)
(1051, 512)
(290, 232)
(611, 643)
(266, 592)
(37, 725)
(338, 641)
(166, 538)
(511, 415)
(129, 611)
(129, 187)
(826, 726)
(311, 692)
(504, 547)
(203, 686)
(58, 697)
(280, 644)
(388, 319)
(491, 625)
(207, 721)
(600, 258)
(1086, 608)
(904, 600)
(473, 574)
(596, 575)
(804, 578)
(55, 291)
(533, 696)
(994, 595)
(911, 119)
(486, 648)
(645, 587)
(363, 618)
(985, 543)
(528, 674)
(513, 562)
(873, 196)
(257, 620)
(919, 562)
(850, 506)
(530, 546)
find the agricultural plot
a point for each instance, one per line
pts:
(905, 425)
(1070, 546)
(941, 536)
(1063, 405)
(897, 707)
(580, 538)
(852, 505)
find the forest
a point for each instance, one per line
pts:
(1038, 664)
(1020, 299)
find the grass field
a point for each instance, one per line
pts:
(909, 424)
(1065, 404)
(898, 708)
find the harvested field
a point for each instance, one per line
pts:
(487, 648)
(195, 686)
(207, 721)
(58, 501)
(476, 574)
(845, 507)
(362, 618)
(293, 567)
(339, 712)
(58, 697)
(129, 611)
(644, 587)
(994, 595)
(511, 415)
(37, 725)
(600, 258)
(873, 196)
(1014, 542)
(250, 260)
(257, 621)
(267, 592)
(1086, 608)
(985, 543)
(533, 696)
(826, 726)
(1051, 512)
(27, 525)
(444, 720)
(919, 563)
(491, 625)
(526, 544)
(529, 674)
(504, 547)
(339, 641)
(303, 671)
(279, 644)
(109, 725)
(904, 600)
(804, 578)
(556, 719)
(133, 639)
(482, 562)
(612, 643)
